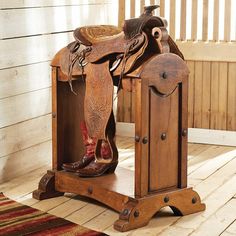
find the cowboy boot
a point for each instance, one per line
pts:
(90, 144)
(96, 168)
(106, 156)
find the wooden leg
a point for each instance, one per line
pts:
(138, 212)
(46, 187)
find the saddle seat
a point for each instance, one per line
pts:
(90, 35)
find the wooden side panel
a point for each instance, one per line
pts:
(70, 113)
(198, 95)
(214, 94)
(223, 90)
(191, 66)
(231, 107)
(127, 106)
(206, 91)
(120, 103)
(163, 165)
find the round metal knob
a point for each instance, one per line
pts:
(164, 75)
(163, 136)
(194, 200)
(136, 213)
(145, 140)
(137, 138)
(184, 132)
(166, 199)
(53, 115)
(125, 212)
(90, 189)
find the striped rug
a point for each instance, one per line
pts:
(18, 219)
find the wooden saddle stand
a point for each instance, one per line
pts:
(142, 59)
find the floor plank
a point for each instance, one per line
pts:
(213, 202)
(67, 208)
(221, 219)
(86, 213)
(231, 230)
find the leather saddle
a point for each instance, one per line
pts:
(105, 54)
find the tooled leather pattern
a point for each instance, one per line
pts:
(98, 99)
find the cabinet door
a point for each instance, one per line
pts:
(164, 139)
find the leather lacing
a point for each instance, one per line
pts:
(77, 56)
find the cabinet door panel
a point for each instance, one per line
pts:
(163, 136)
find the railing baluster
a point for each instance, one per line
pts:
(142, 4)
(205, 21)
(216, 21)
(227, 23)
(194, 20)
(162, 8)
(172, 18)
(132, 8)
(121, 15)
(183, 20)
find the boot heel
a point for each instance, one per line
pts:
(112, 169)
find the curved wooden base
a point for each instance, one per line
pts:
(117, 193)
(138, 212)
(46, 187)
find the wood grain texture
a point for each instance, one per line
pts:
(216, 21)
(205, 20)
(28, 50)
(172, 25)
(183, 22)
(5, 4)
(206, 91)
(25, 134)
(191, 67)
(59, 19)
(132, 8)
(227, 21)
(25, 107)
(24, 79)
(231, 105)
(25, 160)
(214, 94)
(194, 23)
(121, 14)
(198, 95)
(162, 8)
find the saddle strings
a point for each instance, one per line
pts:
(73, 58)
(129, 47)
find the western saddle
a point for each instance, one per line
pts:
(102, 56)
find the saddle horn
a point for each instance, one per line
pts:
(149, 9)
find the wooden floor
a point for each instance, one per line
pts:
(212, 172)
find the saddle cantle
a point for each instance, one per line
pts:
(104, 54)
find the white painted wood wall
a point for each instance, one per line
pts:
(31, 32)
